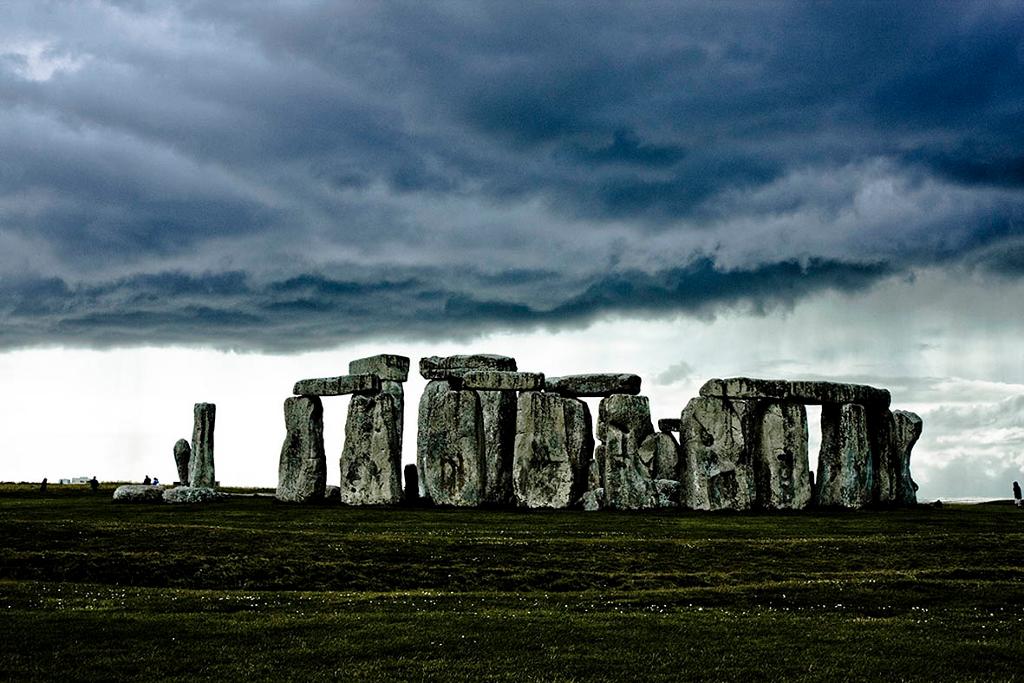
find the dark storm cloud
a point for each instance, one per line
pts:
(307, 173)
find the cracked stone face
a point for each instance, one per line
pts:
(781, 463)
(845, 468)
(450, 445)
(717, 437)
(371, 459)
(302, 469)
(553, 448)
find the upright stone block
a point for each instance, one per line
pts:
(371, 459)
(623, 424)
(845, 474)
(906, 432)
(716, 437)
(412, 484)
(881, 426)
(498, 410)
(660, 454)
(302, 469)
(781, 463)
(450, 445)
(200, 466)
(394, 389)
(182, 455)
(386, 366)
(554, 446)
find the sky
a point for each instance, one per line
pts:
(206, 201)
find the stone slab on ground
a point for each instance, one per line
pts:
(138, 493)
(446, 367)
(386, 366)
(192, 494)
(806, 392)
(337, 386)
(594, 384)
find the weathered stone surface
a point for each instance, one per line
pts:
(810, 393)
(450, 445)
(660, 454)
(553, 449)
(371, 459)
(386, 366)
(200, 465)
(667, 493)
(885, 464)
(332, 492)
(906, 432)
(498, 410)
(593, 500)
(669, 425)
(138, 493)
(502, 380)
(594, 475)
(595, 384)
(302, 467)
(845, 474)
(182, 454)
(394, 389)
(445, 367)
(192, 494)
(716, 437)
(623, 424)
(412, 484)
(337, 386)
(780, 462)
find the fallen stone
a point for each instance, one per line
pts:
(386, 366)
(337, 386)
(200, 466)
(553, 449)
(667, 493)
(498, 411)
(809, 393)
(845, 476)
(669, 425)
(716, 437)
(623, 424)
(192, 494)
(412, 484)
(138, 493)
(597, 384)
(502, 380)
(446, 367)
(371, 459)
(907, 431)
(781, 465)
(660, 454)
(593, 500)
(450, 445)
(182, 454)
(302, 467)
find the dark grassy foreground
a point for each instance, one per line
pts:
(251, 589)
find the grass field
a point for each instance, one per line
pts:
(91, 590)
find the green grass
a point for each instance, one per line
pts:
(249, 589)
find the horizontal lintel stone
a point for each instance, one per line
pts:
(385, 365)
(448, 367)
(806, 392)
(595, 384)
(669, 425)
(503, 380)
(337, 386)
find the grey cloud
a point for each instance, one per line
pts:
(687, 157)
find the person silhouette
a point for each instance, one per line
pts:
(42, 486)
(156, 481)
(1016, 495)
(94, 483)
(146, 481)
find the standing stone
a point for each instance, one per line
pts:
(885, 461)
(845, 477)
(371, 459)
(498, 409)
(781, 466)
(906, 432)
(412, 484)
(554, 446)
(200, 466)
(302, 469)
(715, 435)
(623, 423)
(182, 454)
(449, 449)
(394, 389)
(660, 454)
